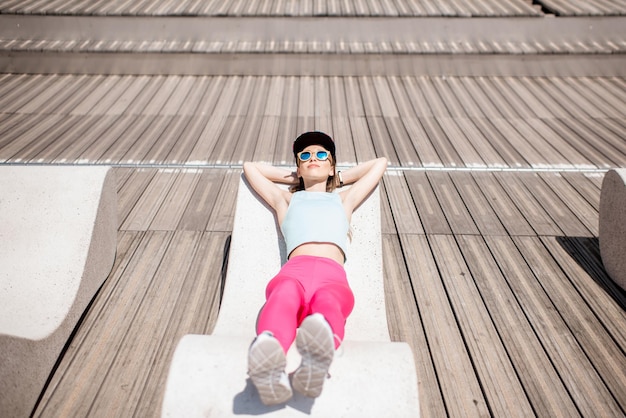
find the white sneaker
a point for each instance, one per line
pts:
(317, 347)
(266, 368)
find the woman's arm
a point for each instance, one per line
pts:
(262, 178)
(364, 178)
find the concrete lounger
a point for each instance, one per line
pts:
(370, 376)
(58, 235)
(613, 225)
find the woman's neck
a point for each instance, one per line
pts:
(315, 186)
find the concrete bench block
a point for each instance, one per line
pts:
(257, 252)
(613, 225)
(208, 378)
(373, 377)
(58, 230)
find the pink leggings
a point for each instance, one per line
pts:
(306, 285)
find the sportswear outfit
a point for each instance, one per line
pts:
(306, 285)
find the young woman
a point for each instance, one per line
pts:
(311, 291)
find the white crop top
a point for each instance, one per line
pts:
(315, 217)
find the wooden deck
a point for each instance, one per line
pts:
(283, 7)
(490, 224)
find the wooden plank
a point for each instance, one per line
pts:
(597, 153)
(9, 82)
(122, 103)
(405, 324)
(222, 219)
(442, 144)
(493, 367)
(276, 91)
(387, 223)
(438, 106)
(369, 99)
(202, 201)
(472, 102)
(146, 207)
(362, 137)
(582, 209)
(430, 213)
(287, 133)
(106, 103)
(509, 215)
(68, 147)
(383, 143)
(323, 108)
(442, 88)
(572, 91)
(558, 210)
(228, 138)
(288, 129)
(508, 129)
(588, 276)
(146, 139)
(215, 124)
(180, 97)
(264, 145)
(95, 149)
(386, 98)
(49, 99)
(145, 95)
(452, 204)
(306, 102)
(477, 204)
(183, 146)
(50, 137)
(146, 332)
(417, 135)
(407, 220)
(24, 137)
(606, 378)
(546, 135)
(457, 380)
(129, 194)
(464, 147)
(70, 102)
(493, 154)
(61, 381)
(506, 100)
(593, 132)
(549, 326)
(76, 131)
(29, 91)
(353, 97)
(526, 203)
(545, 153)
(171, 210)
(245, 146)
(603, 92)
(536, 99)
(168, 139)
(195, 312)
(346, 154)
(401, 142)
(541, 381)
(89, 365)
(584, 185)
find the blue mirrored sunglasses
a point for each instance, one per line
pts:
(321, 155)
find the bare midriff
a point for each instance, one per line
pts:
(319, 249)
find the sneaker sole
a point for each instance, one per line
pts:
(316, 346)
(267, 362)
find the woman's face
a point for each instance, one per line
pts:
(315, 168)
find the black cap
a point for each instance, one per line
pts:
(314, 138)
